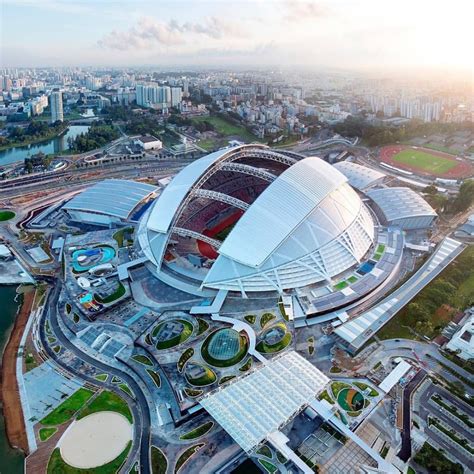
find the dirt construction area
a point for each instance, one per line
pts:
(95, 440)
(15, 425)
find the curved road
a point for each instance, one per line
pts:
(140, 409)
(427, 354)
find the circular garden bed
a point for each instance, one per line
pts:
(224, 348)
(172, 333)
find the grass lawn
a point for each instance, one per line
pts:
(246, 366)
(227, 128)
(364, 386)
(101, 377)
(225, 379)
(341, 285)
(174, 341)
(107, 401)
(68, 408)
(159, 463)
(198, 432)
(325, 396)
(46, 433)
(425, 161)
(336, 387)
(268, 466)
(184, 357)
(265, 451)
(264, 348)
(118, 293)
(56, 465)
(208, 144)
(250, 318)
(208, 378)
(6, 215)
(203, 326)
(186, 455)
(266, 318)
(125, 388)
(155, 377)
(120, 234)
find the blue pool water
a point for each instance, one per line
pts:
(87, 298)
(108, 253)
(366, 267)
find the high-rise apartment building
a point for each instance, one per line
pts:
(56, 101)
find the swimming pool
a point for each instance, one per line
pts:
(87, 298)
(94, 256)
(366, 267)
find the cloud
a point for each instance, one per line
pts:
(149, 32)
(297, 10)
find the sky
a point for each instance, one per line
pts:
(341, 34)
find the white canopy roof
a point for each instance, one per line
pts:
(258, 404)
(284, 204)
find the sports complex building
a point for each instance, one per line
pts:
(252, 220)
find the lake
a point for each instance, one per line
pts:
(11, 460)
(54, 145)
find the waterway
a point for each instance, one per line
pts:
(54, 145)
(11, 460)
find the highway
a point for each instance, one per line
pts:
(139, 407)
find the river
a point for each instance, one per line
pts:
(54, 145)
(11, 460)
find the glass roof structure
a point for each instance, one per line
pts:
(254, 406)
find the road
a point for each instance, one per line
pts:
(427, 408)
(428, 354)
(139, 408)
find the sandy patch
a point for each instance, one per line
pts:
(95, 440)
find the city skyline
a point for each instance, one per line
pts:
(322, 34)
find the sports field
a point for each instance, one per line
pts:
(424, 161)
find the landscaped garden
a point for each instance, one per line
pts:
(46, 433)
(159, 463)
(67, 409)
(266, 318)
(56, 464)
(224, 348)
(172, 333)
(107, 401)
(198, 432)
(6, 215)
(274, 339)
(185, 455)
(199, 375)
(142, 359)
(155, 377)
(184, 357)
(114, 296)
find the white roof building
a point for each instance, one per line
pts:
(462, 341)
(360, 177)
(109, 201)
(301, 222)
(403, 207)
(256, 405)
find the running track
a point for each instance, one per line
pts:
(463, 168)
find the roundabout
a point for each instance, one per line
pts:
(95, 440)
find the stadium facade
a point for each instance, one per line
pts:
(251, 219)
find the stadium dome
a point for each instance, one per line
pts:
(251, 219)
